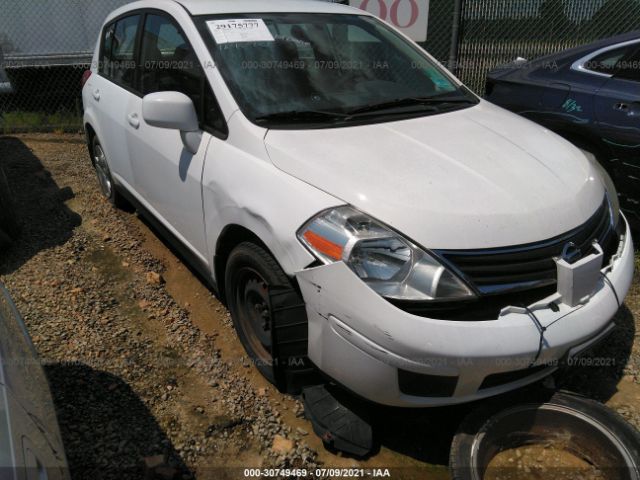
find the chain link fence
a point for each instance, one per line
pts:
(45, 46)
(495, 32)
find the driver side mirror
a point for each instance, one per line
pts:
(173, 110)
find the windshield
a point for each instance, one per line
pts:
(300, 70)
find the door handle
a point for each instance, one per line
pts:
(133, 120)
(632, 110)
(96, 95)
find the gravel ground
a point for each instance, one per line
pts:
(145, 369)
(132, 377)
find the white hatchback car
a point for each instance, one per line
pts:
(361, 212)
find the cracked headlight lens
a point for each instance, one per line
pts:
(390, 264)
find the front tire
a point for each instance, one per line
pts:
(251, 273)
(107, 185)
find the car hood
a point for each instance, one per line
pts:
(480, 177)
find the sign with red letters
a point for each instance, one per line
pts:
(410, 16)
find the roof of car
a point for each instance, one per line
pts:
(213, 7)
(563, 59)
(593, 46)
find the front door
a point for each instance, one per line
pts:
(167, 177)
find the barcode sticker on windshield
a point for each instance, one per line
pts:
(240, 30)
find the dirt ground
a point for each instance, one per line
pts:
(145, 367)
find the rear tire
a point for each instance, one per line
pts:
(9, 225)
(107, 186)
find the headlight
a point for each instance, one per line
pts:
(612, 193)
(387, 262)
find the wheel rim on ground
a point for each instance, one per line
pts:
(533, 424)
(102, 170)
(253, 314)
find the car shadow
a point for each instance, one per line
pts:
(107, 431)
(165, 237)
(424, 434)
(597, 373)
(39, 202)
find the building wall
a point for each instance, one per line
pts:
(51, 32)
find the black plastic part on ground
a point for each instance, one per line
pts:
(477, 432)
(337, 421)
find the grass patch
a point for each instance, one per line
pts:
(21, 121)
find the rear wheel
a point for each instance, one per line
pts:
(9, 225)
(107, 185)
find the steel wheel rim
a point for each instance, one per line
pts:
(613, 443)
(253, 313)
(102, 171)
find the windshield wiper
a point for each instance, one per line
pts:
(426, 103)
(300, 116)
(430, 102)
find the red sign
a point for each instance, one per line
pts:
(410, 16)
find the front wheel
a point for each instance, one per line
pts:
(269, 316)
(250, 273)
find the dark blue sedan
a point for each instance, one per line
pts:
(589, 95)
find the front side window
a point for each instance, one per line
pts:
(168, 63)
(118, 51)
(297, 69)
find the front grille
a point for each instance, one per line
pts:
(479, 309)
(526, 267)
(517, 276)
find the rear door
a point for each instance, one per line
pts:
(617, 106)
(166, 175)
(113, 89)
(568, 101)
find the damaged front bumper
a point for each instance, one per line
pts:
(392, 357)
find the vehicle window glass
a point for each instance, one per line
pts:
(320, 63)
(629, 67)
(118, 61)
(168, 63)
(107, 45)
(607, 62)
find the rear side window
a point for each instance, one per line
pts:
(608, 62)
(169, 63)
(118, 51)
(629, 68)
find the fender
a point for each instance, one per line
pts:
(242, 187)
(90, 119)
